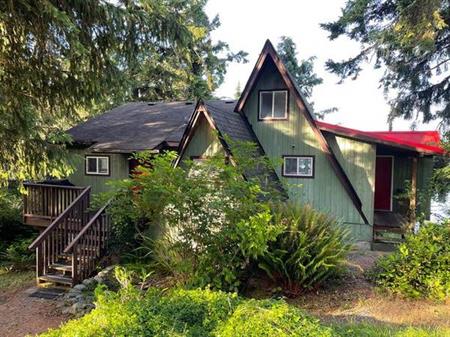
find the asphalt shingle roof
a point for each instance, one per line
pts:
(134, 127)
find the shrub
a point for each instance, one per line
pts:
(421, 265)
(309, 250)
(17, 256)
(188, 313)
(222, 222)
(11, 226)
(270, 318)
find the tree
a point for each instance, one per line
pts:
(410, 39)
(302, 71)
(238, 90)
(63, 60)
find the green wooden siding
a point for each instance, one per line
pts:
(296, 137)
(358, 161)
(118, 165)
(204, 143)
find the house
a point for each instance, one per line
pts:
(360, 177)
(369, 180)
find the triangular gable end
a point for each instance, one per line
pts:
(268, 51)
(200, 111)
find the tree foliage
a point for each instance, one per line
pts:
(410, 39)
(61, 61)
(302, 70)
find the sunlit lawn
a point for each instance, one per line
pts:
(378, 330)
(10, 280)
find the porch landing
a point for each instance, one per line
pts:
(388, 230)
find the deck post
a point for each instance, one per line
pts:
(413, 198)
(74, 266)
(39, 263)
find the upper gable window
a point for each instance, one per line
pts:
(273, 104)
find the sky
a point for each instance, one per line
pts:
(246, 24)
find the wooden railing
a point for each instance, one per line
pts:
(50, 244)
(47, 201)
(87, 247)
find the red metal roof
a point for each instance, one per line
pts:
(419, 141)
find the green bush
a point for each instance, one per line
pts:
(309, 250)
(11, 226)
(17, 256)
(270, 318)
(421, 265)
(222, 222)
(188, 313)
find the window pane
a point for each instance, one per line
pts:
(265, 105)
(103, 165)
(305, 167)
(279, 109)
(91, 165)
(290, 166)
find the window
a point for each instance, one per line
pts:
(273, 104)
(298, 166)
(97, 165)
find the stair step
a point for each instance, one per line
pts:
(383, 246)
(56, 279)
(61, 266)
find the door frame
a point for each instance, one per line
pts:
(392, 184)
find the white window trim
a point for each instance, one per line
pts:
(97, 173)
(272, 117)
(298, 174)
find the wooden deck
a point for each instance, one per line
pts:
(43, 202)
(73, 238)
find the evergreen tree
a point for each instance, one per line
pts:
(61, 61)
(302, 71)
(238, 90)
(410, 39)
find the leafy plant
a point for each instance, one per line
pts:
(309, 250)
(421, 265)
(17, 256)
(11, 226)
(188, 313)
(221, 221)
(269, 318)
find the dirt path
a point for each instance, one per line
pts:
(354, 299)
(21, 315)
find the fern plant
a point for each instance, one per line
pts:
(309, 251)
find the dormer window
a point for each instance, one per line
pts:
(273, 104)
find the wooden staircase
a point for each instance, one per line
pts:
(388, 231)
(70, 247)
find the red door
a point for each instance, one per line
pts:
(383, 183)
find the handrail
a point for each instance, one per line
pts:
(45, 233)
(86, 228)
(55, 186)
